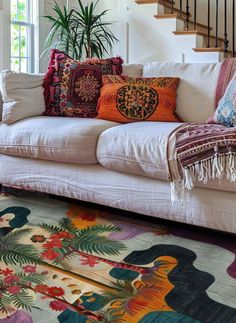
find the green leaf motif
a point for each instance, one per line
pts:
(22, 300)
(98, 244)
(20, 255)
(33, 278)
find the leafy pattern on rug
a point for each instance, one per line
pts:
(68, 263)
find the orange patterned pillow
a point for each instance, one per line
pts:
(126, 99)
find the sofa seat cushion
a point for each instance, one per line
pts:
(137, 148)
(71, 140)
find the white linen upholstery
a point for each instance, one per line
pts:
(22, 96)
(132, 70)
(195, 95)
(137, 148)
(93, 183)
(1, 103)
(71, 140)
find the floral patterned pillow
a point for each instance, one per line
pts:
(225, 113)
(72, 88)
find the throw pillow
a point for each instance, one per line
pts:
(126, 99)
(225, 113)
(22, 96)
(72, 88)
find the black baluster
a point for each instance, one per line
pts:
(226, 42)
(181, 7)
(233, 33)
(187, 15)
(195, 14)
(172, 6)
(217, 23)
(208, 23)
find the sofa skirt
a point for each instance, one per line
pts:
(93, 183)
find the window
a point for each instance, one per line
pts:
(21, 36)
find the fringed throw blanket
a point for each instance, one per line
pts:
(203, 151)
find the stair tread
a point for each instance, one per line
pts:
(153, 1)
(209, 49)
(166, 16)
(196, 32)
(180, 17)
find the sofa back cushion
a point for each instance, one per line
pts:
(22, 96)
(196, 92)
(132, 70)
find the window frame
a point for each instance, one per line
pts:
(30, 38)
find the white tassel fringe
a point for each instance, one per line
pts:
(216, 167)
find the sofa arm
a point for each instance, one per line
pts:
(22, 96)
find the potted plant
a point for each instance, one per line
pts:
(80, 32)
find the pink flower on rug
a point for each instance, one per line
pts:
(41, 289)
(6, 272)
(14, 290)
(9, 280)
(89, 260)
(62, 235)
(58, 306)
(55, 291)
(50, 254)
(29, 269)
(56, 243)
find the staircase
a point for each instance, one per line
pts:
(210, 33)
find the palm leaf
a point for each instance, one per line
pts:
(5, 305)
(33, 278)
(14, 236)
(52, 228)
(99, 229)
(67, 225)
(114, 315)
(23, 300)
(122, 291)
(20, 255)
(98, 244)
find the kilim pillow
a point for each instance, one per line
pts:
(125, 99)
(72, 88)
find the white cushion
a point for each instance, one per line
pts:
(22, 96)
(137, 148)
(132, 70)
(196, 92)
(71, 140)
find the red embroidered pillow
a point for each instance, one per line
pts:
(72, 88)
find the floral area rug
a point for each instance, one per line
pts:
(62, 262)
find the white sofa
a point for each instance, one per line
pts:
(118, 165)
